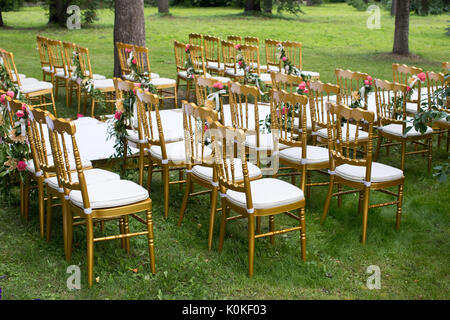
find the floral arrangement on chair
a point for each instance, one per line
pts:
(288, 67)
(249, 77)
(412, 83)
(190, 70)
(136, 76)
(85, 83)
(357, 96)
(212, 100)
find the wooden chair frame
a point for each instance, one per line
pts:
(401, 74)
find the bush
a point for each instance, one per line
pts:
(424, 8)
(360, 5)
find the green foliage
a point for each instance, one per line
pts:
(360, 5)
(10, 5)
(426, 7)
(290, 6)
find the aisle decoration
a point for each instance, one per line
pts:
(213, 98)
(249, 77)
(142, 78)
(357, 96)
(189, 66)
(413, 83)
(288, 67)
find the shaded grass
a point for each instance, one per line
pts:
(413, 261)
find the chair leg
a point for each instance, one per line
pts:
(377, 152)
(176, 96)
(223, 224)
(141, 164)
(185, 199)
(328, 199)
(403, 155)
(49, 214)
(69, 227)
(212, 216)
(166, 179)
(149, 174)
(180, 178)
(90, 249)
(122, 231)
(430, 153)
(399, 206)
(365, 214)
(188, 88)
(272, 228)
(258, 225)
(92, 107)
(53, 104)
(251, 244)
(41, 205)
(67, 93)
(303, 233)
(78, 99)
(127, 231)
(151, 243)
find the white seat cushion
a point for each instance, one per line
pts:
(397, 130)
(267, 193)
(379, 173)
(36, 86)
(265, 142)
(162, 82)
(265, 77)
(362, 135)
(61, 74)
(21, 77)
(223, 80)
(84, 163)
(215, 66)
(110, 194)
(313, 154)
(273, 69)
(206, 173)
(411, 107)
(92, 176)
(152, 76)
(28, 81)
(104, 84)
(183, 74)
(176, 152)
(49, 69)
(238, 73)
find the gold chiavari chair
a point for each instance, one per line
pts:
(69, 49)
(33, 90)
(168, 155)
(252, 198)
(229, 59)
(61, 76)
(196, 39)
(350, 83)
(235, 39)
(106, 86)
(360, 173)
(287, 109)
(402, 73)
(141, 54)
(437, 81)
(445, 66)
(286, 82)
(293, 51)
(272, 55)
(212, 55)
(123, 50)
(392, 121)
(200, 163)
(102, 201)
(43, 57)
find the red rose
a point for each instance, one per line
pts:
(21, 165)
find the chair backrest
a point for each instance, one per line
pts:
(212, 49)
(234, 39)
(350, 83)
(180, 55)
(197, 135)
(293, 51)
(436, 81)
(253, 41)
(196, 39)
(251, 57)
(69, 49)
(42, 49)
(125, 88)
(85, 62)
(123, 50)
(229, 55)
(150, 126)
(56, 56)
(402, 73)
(319, 95)
(10, 67)
(284, 81)
(445, 66)
(142, 58)
(390, 99)
(197, 58)
(345, 150)
(244, 107)
(288, 110)
(272, 53)
(204, 87)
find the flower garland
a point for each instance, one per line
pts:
(86, 83)
(288, 67)
(143, 79)
(357, 96)
(412, 83)
(189, 66)
(249, 77)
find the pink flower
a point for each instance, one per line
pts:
(206, 128)
(3, 98)
(218, 85)
(24, 106)
(134, 91)
(305, 91)
(422, 76)
(240, 62)
(369, 78)
(284, 111)
(29, 123)
(79, 116)
(237, 47)
(284, 58)
(21, 165)
(134, 61)
(118, 115)
(187, 48)
(302, 85)
(367, 82)
(127, 50)
(137, 85)
(146, 90)
(10, 94)
(20, 114)
(408, 88)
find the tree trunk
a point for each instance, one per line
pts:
(268, 6)
(309, 2)
(1, 18)
(252, 6)
(129, 26)
(58, 12)
(163, 6)
(401, 32)
(393, 7)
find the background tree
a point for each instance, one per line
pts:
(393, 7)
(129, 26)
(268, 4)
(401, 32)
(252, 7)
(9, 5)
(163, 6)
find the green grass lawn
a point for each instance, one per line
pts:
(414, 261)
